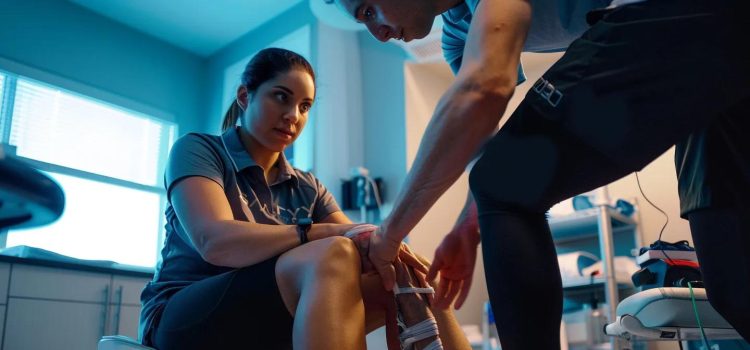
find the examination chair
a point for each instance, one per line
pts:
(668, 314)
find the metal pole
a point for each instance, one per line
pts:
(606, 246)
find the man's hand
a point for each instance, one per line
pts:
(383, 252)
(455, 259)
(361, 236)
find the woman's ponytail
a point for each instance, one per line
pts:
(230, 118)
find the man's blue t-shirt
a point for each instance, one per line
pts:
(554, 25)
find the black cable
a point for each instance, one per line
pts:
(661, 211)
(680, 343)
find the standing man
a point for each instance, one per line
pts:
(637, 78)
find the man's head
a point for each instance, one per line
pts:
(394, 19)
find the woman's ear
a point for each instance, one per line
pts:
(242, 97)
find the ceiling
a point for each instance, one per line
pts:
(199, 26)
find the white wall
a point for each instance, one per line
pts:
(425, 83)
(338, 120)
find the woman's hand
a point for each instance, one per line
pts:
(360, 235)
(325, 230)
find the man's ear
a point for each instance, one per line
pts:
(242, 97)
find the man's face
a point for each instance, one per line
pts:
(392, 19)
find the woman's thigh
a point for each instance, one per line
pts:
(238, 309)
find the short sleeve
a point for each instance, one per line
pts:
(193, 155)
(325, 204)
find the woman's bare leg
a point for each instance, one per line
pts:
(320, 285)
(414, 311)
(451, 334)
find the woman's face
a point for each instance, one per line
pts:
(277, 112)
(393, 19)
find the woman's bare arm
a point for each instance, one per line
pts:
(204, 211)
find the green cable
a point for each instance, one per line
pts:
(697, 318)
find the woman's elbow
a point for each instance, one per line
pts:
(213, 256)
(209, 248)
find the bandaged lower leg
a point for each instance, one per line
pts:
(418, 329)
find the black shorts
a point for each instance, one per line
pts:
(645, 77)
(240, 309)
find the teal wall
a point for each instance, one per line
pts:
(75, 44)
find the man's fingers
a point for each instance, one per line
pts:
(441, 292)
(423, 283)
(453, 291)
(409, 259)
(465, 287)
(450, 293)
(388, 275)
(436, 266)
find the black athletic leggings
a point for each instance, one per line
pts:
(722, 240)
(640, 80)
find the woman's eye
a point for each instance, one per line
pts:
(368, 14)
(280, 96)
(305, 108)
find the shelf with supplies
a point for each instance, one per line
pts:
(584, 223)
(588, 241)
(586, 282)
(581, 231)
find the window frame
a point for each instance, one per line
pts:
(13, 71)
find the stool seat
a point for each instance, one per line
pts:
(668, 314)
(120, 342)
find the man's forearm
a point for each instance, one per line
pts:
(469, 217)
(463, 121)
(468, 113)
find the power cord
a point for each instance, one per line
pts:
(376, 191)
(660, 210)
(367, 184)
(697, 318)
(690, 284)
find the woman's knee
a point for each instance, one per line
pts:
(328, 257)
(333, 260)
(338, 258)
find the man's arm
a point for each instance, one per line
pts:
(464, 119)
(468, 112)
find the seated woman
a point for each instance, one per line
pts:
(240, 268)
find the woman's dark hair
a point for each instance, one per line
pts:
(264, 66)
